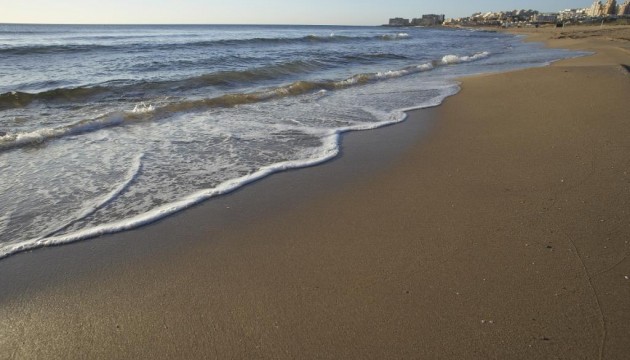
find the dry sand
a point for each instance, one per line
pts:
(502, 233)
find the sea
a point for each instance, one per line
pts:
(107, 128)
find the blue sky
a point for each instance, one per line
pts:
(340, 12)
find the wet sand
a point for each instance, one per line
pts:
(494, 226)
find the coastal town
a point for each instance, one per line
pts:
(599, 12)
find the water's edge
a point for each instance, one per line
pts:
(363, 156)
(332, 148)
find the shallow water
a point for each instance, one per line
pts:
(111, 127)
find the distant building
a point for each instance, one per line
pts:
(429, 20)
(526, 18)
(597, 9)
(573, 14)
(398, 22)
(545, 18)
(610, 8)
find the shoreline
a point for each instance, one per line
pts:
(227, 186)
(461, 243)
(362, 154)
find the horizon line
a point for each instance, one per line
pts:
(179, 24)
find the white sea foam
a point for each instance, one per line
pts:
(454, 59)
(143, 108)
(446, 60)
(391, 74)
(402, 72)
(329, 148)
(93, 205)
(395, 36)
(42, 135)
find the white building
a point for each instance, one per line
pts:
(571, 14)
(597, 9)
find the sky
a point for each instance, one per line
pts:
(321, 12)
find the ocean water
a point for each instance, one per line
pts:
(106, 128)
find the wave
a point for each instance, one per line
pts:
(278, 71)
(18, 99)
(371, 58)
(332, 38)
(51, 49)
(144, 112)
(221, 79)
(40, 49)
(398, 36)
(39, 136)
(303, 87)
(454, 59)
(269, 72)
(329, 150)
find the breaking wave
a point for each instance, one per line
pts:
(17, 99)
(143, 111)
(454, 59)
(224, 79)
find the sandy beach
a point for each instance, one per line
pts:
(494, 226)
